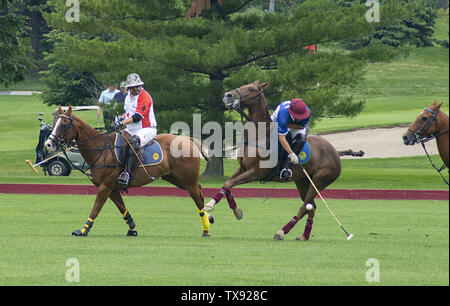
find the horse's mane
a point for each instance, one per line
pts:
(90, 130)
(265, 105)
(77, 118)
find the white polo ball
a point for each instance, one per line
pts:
(309, 206)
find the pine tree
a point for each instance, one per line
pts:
(188, 65)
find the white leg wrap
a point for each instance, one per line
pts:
(210, 206)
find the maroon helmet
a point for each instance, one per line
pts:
(298, 109)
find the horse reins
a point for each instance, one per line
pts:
(107, 147)
(432, 164)
(137, 155)
(60, 142)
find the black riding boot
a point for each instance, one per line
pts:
(131, 162)
(296, 145)
(285, 172)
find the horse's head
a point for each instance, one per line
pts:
(63, 131)
(426, 124)
(243, 96)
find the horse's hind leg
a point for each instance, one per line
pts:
(321, 179)
(196, 194)
(308, 193)
(302, 187)
(309, 199)
(116, 197)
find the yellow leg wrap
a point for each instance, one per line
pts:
(204, 218)
(125, 213)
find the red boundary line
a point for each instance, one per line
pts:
(351, 194)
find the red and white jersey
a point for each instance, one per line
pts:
(141, 104)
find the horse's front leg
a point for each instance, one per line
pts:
(209, 207)
(103, 193)
(238, 178)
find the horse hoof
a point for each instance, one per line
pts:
(206, 234)
(132, 233)
(77, 233)
(238, 213)
(279, 235)
(211, 219)
(301, 238)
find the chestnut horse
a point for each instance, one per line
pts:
(432, 123)
(324, 166)
(97, 151)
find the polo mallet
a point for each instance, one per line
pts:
(349, 236)
(137, 155)
(33, 167)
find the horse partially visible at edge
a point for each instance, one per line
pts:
(97, 149)
(432, 123)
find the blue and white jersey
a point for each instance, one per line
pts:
(282, 116)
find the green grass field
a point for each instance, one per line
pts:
(385, 173)
(397, 92)
(408, 238)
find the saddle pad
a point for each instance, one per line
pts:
(305, 154)
(153, 154)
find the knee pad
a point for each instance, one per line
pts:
(298, 143)
(299, 137)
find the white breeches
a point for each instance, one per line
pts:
(294, 133)
(145, 135)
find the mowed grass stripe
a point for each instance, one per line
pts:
(408, 238)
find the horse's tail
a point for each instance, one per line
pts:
(199, 146)
(351, 153)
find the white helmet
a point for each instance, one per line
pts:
(134, 80)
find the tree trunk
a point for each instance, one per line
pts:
(443, 4)
(34, 23)
(271, 6)
(3, 7)
(215, 165)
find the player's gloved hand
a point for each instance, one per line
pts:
(117, 124)
(293, 158)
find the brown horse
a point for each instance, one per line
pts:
(97, 151)
(324, 166)
(431, 123)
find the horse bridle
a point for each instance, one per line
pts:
(237, 106)
(427, 125)
(60, 140)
